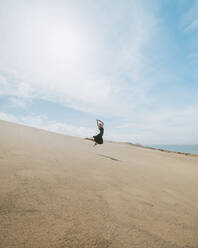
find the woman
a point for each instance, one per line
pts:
(98, 138)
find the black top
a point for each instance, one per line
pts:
(98, 138)
(101, 131)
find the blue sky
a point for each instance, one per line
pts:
(133, 64)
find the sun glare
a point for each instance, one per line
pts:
(64, 42)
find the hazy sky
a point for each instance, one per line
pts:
(133, 64)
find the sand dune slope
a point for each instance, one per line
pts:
(58, 191)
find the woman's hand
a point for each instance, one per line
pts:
(100, 122)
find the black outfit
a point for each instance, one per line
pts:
(98, 138)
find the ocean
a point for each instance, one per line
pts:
(179, 148)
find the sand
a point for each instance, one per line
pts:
(58, 191)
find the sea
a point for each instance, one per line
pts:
(193, 149)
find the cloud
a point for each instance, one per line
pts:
(163, 127)
(105, 58)
(189, 19)
(190, 26)
(42, 122)
(193, 25)
(167, 126)
(82, 59)
(7, 117)
(16, 102)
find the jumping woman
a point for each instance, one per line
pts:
(98, 138)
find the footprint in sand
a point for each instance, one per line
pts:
(147, 203)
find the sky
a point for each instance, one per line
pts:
(132, 64)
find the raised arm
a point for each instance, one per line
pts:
(99, 121)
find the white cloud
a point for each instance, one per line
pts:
(7, 117)
(16, 102)
(170, 126)
(192, 25)
(3, 80)
(94, 56)
(79, 60)
(189, 20)
(165, 127)
(42, 122)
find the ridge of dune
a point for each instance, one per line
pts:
(59, 191)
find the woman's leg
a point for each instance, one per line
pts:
(91, 139)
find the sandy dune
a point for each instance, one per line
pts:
(58, 191)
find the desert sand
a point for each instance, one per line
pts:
(59, 191)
